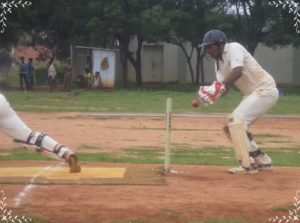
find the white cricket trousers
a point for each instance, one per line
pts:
(254, 106)
(13, 126)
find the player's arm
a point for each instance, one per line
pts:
(235, 74)
(209, 94)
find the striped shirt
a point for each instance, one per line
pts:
(23, 68)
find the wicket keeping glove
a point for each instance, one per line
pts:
(209, 94)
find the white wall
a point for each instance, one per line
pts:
(279, 62)
(170, 62)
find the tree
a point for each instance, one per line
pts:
(132, 19)
(113, 20)
(110, 23)
(256, 21)
(281, 25)
(189, 20)
(12, 27)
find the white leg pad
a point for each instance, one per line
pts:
(239, 139)
(48, 144)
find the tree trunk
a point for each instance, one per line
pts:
(137, 62)
(124, 63)
(138, 68)
(191, 71)
(202, 70)
(188, 59)
(202, 55)
(124, 57)
(199, 65)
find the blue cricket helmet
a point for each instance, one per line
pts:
(212, 37)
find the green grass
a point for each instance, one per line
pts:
(285, 156)
(145, 99)
(283, 208)
(219, 156)
(199, 156)
(152, 98)
(118, 100)
(149, 98)
(22, 154)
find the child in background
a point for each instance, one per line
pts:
(97, 80)
(88, 79)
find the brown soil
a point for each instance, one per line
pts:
(193, 193)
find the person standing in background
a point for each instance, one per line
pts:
(97, 80)
(52, 74)
(88, 78)
(105, 72)
(89, 64)
(23, 72)
(30, 73)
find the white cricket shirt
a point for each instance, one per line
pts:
(253, 77)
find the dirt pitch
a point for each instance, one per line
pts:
(194, 193)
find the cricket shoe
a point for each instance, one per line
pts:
(262, 160)
(243, 170)
(72, 160)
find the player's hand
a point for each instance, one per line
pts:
(209, 94)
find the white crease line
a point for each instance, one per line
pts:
(18, 199)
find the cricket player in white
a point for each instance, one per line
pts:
(236, 66)
(13, 126)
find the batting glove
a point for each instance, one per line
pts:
(209, 94)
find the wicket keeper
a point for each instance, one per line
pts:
(234, 65)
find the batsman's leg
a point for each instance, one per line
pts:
(14, 127)
(44, 142)
(252, 108)
(240, 142)
(262, 160)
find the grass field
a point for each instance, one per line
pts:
(151, 98)
(217, 156)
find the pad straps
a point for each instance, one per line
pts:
(57, 148)
(30, 137)
(39, 140)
